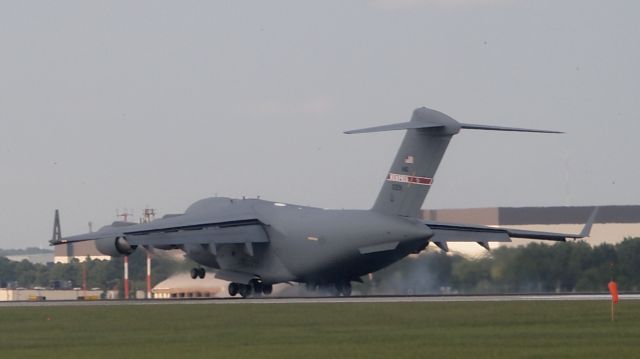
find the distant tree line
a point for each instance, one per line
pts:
(103, 274)
(536, 267)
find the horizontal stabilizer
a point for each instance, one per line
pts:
(396, 126)
(424, 118)
(469, 126)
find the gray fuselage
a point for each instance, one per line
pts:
(312, 245)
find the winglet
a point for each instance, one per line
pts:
(57, 234)
(586, 230)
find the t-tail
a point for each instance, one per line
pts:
(411, 174)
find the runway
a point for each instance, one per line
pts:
(328, 300)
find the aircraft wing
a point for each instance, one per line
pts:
(238, 231)
(455, 232)
(111, 231)
(180, 230)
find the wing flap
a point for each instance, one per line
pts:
(252, 233)
(180, 230)
(467, 233)
(455, 232)
(472, 233)
(185, 222)
(116, 229)
(83, 237)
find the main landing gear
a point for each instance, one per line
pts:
(198, 273)
(253, 289)
(344, 288)
(331, 289)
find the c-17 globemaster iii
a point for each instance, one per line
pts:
(254, 244)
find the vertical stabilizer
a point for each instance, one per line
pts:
(411, 174)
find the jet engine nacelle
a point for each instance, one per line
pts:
(115, 247)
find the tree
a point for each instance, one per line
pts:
(629, 263)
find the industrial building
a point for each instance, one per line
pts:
(611, 225)
(8, 294)
(80, 251)
(182, 286)
(39, 258)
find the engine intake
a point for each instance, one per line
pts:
(115, 247)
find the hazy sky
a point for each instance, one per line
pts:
(107, 105)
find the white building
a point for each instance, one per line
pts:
(48, 294)
(65, 253)
(183, 286)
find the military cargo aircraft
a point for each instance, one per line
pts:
(254, 243)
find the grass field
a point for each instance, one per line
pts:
(580, 329)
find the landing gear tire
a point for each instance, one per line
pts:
(329, 289)
(254, 288)
(245, 290)
(233, 289)
(344, 289)
(257, 288)
(198, 273)
(267, 289)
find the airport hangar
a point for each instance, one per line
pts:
(611, 225)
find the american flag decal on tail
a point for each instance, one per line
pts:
(423, 181)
